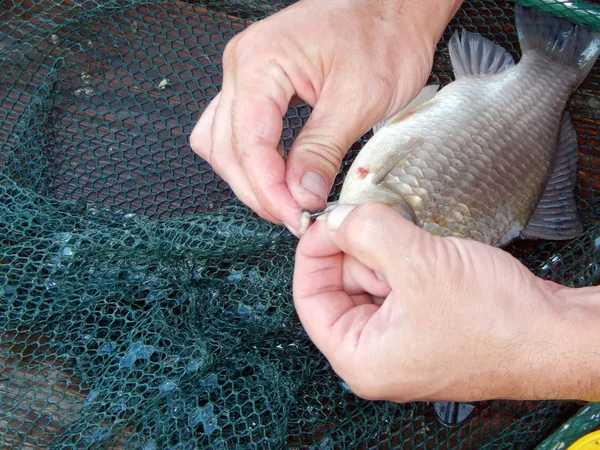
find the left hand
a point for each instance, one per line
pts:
(355, 62)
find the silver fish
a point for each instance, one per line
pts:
(493, 155)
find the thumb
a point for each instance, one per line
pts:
(381, 239)
(317, 153)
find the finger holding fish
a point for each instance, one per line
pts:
(319, 55)
(485, 157)
(455, 308)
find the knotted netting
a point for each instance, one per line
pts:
(141, 304)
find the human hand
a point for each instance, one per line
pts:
(355, 62)
(447, 319)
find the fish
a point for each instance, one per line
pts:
(492, 156)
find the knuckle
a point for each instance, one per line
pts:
(383, 84)
(199, 146)
(231, 47)
(367, 383)
(361, 375)
(215, 162)
(327, 156)
(361, 390)
(247, 47)
(263, 214)
(215, 159)
(366, 388)
(232, 50)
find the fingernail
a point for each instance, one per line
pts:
(379, 276)
(291, 230)
(337, 215)
(316, 184)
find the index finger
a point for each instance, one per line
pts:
(329, 315)
(257, 123)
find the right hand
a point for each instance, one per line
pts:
(404, 315)
(355, 62)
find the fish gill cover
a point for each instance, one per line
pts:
(141, 305)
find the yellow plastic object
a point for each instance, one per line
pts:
(588, 442)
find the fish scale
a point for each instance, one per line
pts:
(489, 143)
(493, 155)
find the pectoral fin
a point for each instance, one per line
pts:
(556, 216)
(393, 159)
(426, 94)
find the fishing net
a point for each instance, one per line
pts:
(141, 305)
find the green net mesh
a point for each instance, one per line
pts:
(141, 305)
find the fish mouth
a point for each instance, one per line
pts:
(308, 217)
(394, 202)
(315, 215)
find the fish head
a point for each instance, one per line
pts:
(381, 195)
(366, 181)
(378, 195)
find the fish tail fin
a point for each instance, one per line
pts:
(573, 45)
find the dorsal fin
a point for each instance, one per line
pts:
(426, 94)
(556, 216)
(472, 54)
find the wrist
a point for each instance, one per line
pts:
(407, 32)
(577, 334)
(561, 358)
